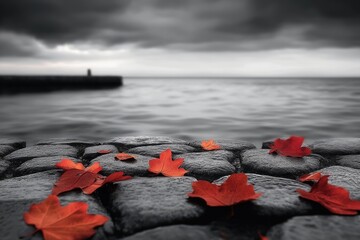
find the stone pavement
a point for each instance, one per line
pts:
(148, 207)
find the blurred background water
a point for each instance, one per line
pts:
(190, 108)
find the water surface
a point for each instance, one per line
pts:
(250, 109)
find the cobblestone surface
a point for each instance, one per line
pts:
(157, 207)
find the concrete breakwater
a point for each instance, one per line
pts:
(18, 84)
(157, 207)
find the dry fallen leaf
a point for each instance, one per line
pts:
(104, 151)
(336, 199)
(56, 222)
(310, 177)
(290, 147)
(88, 179)
(209, 145)
(234, 190)
(124, 156)
(166, 166)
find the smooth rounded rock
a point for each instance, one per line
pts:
(4, 165)
(40, 164)
(155, 150)
(124, 143)
(15, 143)
(317, 228)
(279, 197)
(78, 143)
(229, 145)
(261, 162)
(133, 167)
(93, 152)
(176, 232)
(5, 150)
(25, 154)
(17, 194)
(142, 203)
(352, 161)
(208, 165)
(336, 146)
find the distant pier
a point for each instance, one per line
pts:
(20, 83)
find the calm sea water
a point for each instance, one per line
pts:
(250, 109)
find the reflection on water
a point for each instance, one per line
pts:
(250, 109)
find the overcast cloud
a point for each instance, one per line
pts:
(58, 32)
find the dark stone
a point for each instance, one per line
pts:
(352, 161)
(5, 150)
(336, 146)
(176, 232)
(137, 167)
(92, 152)
(208, 165)
(78, 143)
(155, 150)
(279, 198)
(4, 165)
(25, 154)
(261, 162)
(17, 194)
(40, 164)
(125, 143)
(229, 145)
(267, 143)
(348, 178)
(317, 228)
(15, 143)
(142, 203)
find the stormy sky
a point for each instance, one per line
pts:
(181, 38)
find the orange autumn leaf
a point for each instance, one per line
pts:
(124, 156)
(104, 151)
(310, 177)
(290, 147)
(56, 222)
(209, 145)
(88, 179)
(166, 166)
(336, 199)
(67, 164)
(234, 190)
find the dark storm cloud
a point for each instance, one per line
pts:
(210, 25)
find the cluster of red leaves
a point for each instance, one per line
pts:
(290, 147)
(124, 156)
(234, 190)
(87, 179)
(58, 222)
(209, 145)
(166, 166)
(336, 199)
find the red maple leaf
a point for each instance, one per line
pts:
(310, 177)
(124, 156)
(104, 151)
(87, 179)
(336, 199)
(70, 222)
(209, 145)
(166, 166)
(234, 190)
(290, 147)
